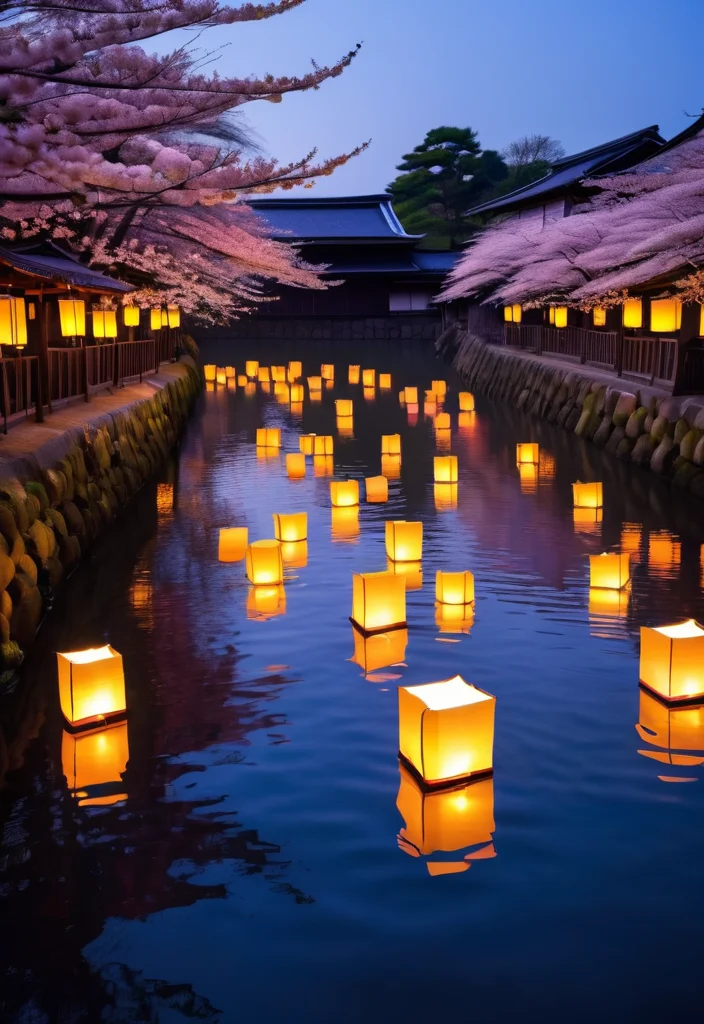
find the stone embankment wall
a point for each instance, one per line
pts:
(418, 327)
(663, 434)
(51, 514)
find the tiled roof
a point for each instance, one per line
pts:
(344, 218)
(61, 268)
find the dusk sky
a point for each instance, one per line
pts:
(582, 73)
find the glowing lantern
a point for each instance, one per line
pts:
(345, 426)
(251, 368)
(268, 437)
(353, 374)
(230, 372)
(454, 587)
(323, 465)
(94, 763)
(295, 370)
(264, 564)
(380, 650)
(442, 421)
(551, 315)
(385, 381)
(378, 601)
(344, 493)
(605, 603)
(266, 602)
(130, 316)
(599, 316)
(315, 396)
(611, 572)
(315, 383)
(513, 314)
(446, 730)
(527, 453)
(672, 660)
(291, 527)
(376, 488)
(466, 399)
(263, 375)
(391, 444)
(588, 520)
(221, 376)
(445, 469)
(344, 523)
(633, 313)
(664, 550)
(31, 311)
(295, 465)
(232, 543)
(411, 572)
(241, 380)
(411, 395)
(327, 371)
(404, 541)
(430, 409)
(665, 315)
(528, 473)
(294, 554)
(231, 384)
(13, 321)
(701, 321)
(439, 388)
(305, 443)
(210, 385)
(173, 314)
(344, 407)
(322, 444)
(368, 378)
(560, 316)
(445, 497)
(297, 394)
(155, 318)
(91, 686)
(402, 398)
(454, 618)
(72, 313)
(391, 466)
(278, 374)
(671, 729)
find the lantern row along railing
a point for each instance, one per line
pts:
(19, 379)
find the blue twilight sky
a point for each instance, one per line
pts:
(583, 73)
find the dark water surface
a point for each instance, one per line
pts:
(245, 864)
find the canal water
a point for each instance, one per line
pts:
(245, 848)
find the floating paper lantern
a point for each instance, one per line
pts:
(610, 572)
(445, 496)
(296, 409)
(391, 466)
(380, 650)
(295, 370)
(345, 426)
(344, 493)
(439, 388)
(672, 660)
(94, 763)
(305, 443)
(230, 372)
(528, 474)
(130, 316)
(295, 465)
(297, 394)
(446, 730)
(665, 315)
(454, 618)
(404, 541)
(442, 421)
(633, 313)
(368, 378)
(329, 385)
(527, 453)
(445, 469)
(72, 314)
(210, 385)
(327, 371)
(156, 318)
(391, 444)
(412, 573)
(344, 407)
(344, 523)
(599, 316)
(607, 603)
(266, 602)
(104, 323)
(91, 686)
(378, 601)
(221, 376)
(263, 375)
(410, 395)
(322, 444)
(251, 368)
(268, 437)
(264, 565)
(323, 465)
(353, 374)
(443, 440)
(385, 381)
(588, 495)
(315, 383)
(278, 374)
(466, 400)
(454, 587)
(672, 729)
(294, 554)
(210, 370)
(292, 526)
(402, 398)
(376, 488)
(242, 380)
(587, 520)
(560, 316)
(232, 543)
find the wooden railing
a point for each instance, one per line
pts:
(653, 360)
(19, 382)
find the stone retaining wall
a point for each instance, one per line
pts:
(53, 509)
(663, 434)
(419, 327)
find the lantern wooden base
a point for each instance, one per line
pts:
(433, 787)
(669, 702)
(95, 722)
(381, 629)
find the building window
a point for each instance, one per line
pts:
(409, 301)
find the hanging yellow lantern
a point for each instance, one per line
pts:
(297, 394)
(439, 388)
(446, 730)
(173, 315)
(230, 372)
(391, 466)
(264, 565)
(527, 453)
(104, 323)
(385, 381)
(528, 473)
(94, 763)
(232, 543)
(155, 318)
(91, 686)
(344, 407)
(411, 395)
(295, 370)
(513, 314)
(72, 313)
(454, 618)
(353, 374)
(442, 421)
(391, 444)
(551, 315)
(13, 321)
(664, 550)
(445, 469)
(345, 426)
(402, 398)
(291, 526)
(268, 437)
(251, 368)
(611, 572)
(368, 378)
(445, 497)
(295, 465)
(323, 465)
(380, 650)
(599, 316)
(454, 587)
(278, 374)
(701, 320)
(294, 554)
(404, 541)
(164, 316)
(315, 384)
(672, 660)
(378, 601)
(242, 380)
(560, 316)
(265, 603)
(344, 523)
(376, 488)
(587, 520)
(412, 573)
(588, 495)
(322, 444)
(130, 316)
(672, 729)
(466, 399)
(263, 374)
(633, 313)
(221, 376)
(344, 493)
(327, 371)
(665, 315)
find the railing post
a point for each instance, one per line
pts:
(5, 393)
(86, 388)
(539, 341)
(619, 353)
(116, 363)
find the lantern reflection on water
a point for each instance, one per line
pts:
(323, 465)
(430, 410)
(664, 550)
(445, 469)
(266, 602)
(391, 444)
(232, 543)
(94, 763)
(404, 540)
(268, 437)
(376, 488)
(527, 453)
(445, 497)
(454, 587)
(528, 474)
(454, 618)
(345, 426)
(412, 572)
(609, 603)
(315, 384)
(587, 520)
(344, 493)
(446, 730)
(344, 523)
(305, 443)
(267, 454)
(294, 554)
(378, 601)
(609, 572)
(292, 526)
(443, 440)
(91, 686)
(672, 729)
(264, 564)
(322, 444)
(402, 398)
(672, 660)
(380, 650)
(442, 421)
(631, 537)
(295, 465)
(369, 394)
(353, 374)
(391, 466)
(250, 389)
(282, 393)
(466, 400)
(588, 495)
(297, 394)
